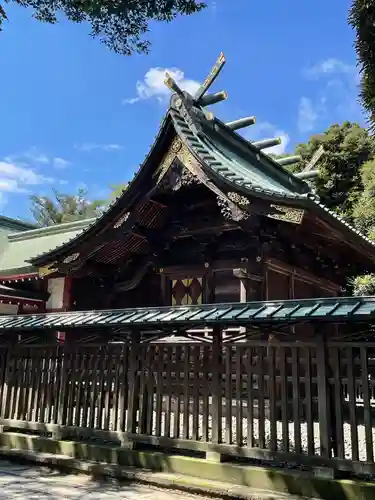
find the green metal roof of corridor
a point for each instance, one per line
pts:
(333, 310)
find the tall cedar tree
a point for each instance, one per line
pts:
(362, 19)
(121, 24)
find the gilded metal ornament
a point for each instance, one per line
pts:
(176, 145)
(169, 158)
(287, 214)
(71, 258)
(121, 220)
(178, 151)
(238, 198)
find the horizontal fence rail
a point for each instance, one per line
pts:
(311, 403)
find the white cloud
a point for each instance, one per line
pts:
(335, 98)
(153, 86)
(15, 178)
(40, 158)
(34, 157)
(91, 146)
(265, 130)
(58, 162)
(307, 115)
(30, 155)
(331, 66)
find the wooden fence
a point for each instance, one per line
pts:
(311, 403)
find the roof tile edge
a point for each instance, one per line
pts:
(50, 230)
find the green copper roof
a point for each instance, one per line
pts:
(226, 158)
(9, 225)
(237, 161)
(18, 248)
(353, 309)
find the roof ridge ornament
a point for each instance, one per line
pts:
(288, 160)
(214, 73)
(267, 143)
(200, 99)
(241, 123)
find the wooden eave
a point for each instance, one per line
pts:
(245, 170)
(137, 187)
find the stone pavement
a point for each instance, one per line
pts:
(23, 482)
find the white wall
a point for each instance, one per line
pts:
(56, 291)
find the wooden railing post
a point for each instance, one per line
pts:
(323, 395)
(133, 396)
(63, 397)
(216, 391)
(6, 381)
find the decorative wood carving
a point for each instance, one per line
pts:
(187, 170)
(169, 158)
(121, 220)
(48, 269)
(287, 214)
(239, 199)
(177, 177)
(230, 210)
(172, 172)
(71, 258)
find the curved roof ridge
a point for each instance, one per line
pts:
(16, 223)
(117, 202)
(342, 221)
(49, 230)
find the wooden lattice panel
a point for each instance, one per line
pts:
(188, 291)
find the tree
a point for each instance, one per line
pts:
(64, 208)
(364, 209)
(117, 190)
(362, 19)
(121, 25)
(346, 182)
(340, 182)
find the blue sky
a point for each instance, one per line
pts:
(75, 114)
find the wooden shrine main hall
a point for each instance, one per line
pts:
(202, 311)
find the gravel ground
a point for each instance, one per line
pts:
(24, 482)
(267, 426)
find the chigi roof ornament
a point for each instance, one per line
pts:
(241, 123)
(191, 106)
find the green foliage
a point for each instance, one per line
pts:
(64, 208)
(120, 25)
(346, 181)
(364, 285)
(117, 190)
(347, 147)
(364, 210)
(362, 19)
